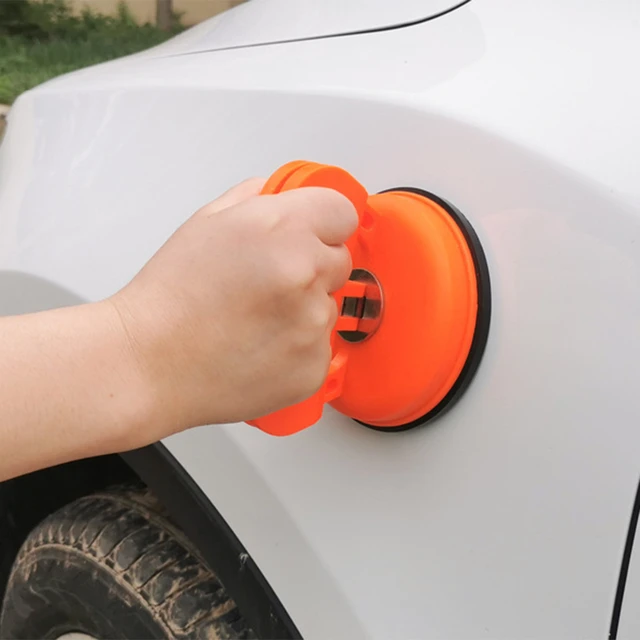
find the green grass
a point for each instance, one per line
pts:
(61, 42)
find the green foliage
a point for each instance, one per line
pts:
(49, 19)
(40, 40)
(14, 17)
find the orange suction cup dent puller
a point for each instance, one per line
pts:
(414, 316)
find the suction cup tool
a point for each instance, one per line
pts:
(414, 316)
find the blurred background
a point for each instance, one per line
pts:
(40, 39)
(191, 11)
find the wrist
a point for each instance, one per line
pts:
(138, 416)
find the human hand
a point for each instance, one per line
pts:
(231, 319)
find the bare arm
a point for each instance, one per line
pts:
(70, 388)
(229, 320)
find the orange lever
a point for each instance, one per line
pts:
(295, 175)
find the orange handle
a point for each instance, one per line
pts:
(295, 175)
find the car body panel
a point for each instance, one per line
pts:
(260, 22)
(628, 623)
(507, 517)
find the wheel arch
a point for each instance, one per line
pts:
(26, 500)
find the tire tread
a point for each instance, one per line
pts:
(127, 533)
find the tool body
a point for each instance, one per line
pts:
(413, 317)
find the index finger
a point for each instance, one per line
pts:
(235, 195)
(332, 215)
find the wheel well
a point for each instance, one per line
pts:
(26, 500)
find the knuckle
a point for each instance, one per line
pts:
(333, 313)
(288, 209)
(319, 318)
(311, 200)
(336, 265)
(344, 263)
(342, 205)
(295, 273)
(270, 219)
(326, 196)
(311, 327)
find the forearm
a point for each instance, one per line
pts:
(70, 387)
(228, 321)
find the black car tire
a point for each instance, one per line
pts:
(112, 565)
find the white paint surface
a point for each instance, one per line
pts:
(506, 519)
(265, 21)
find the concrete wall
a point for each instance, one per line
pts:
(194, 11)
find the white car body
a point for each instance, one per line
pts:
(508, 516)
